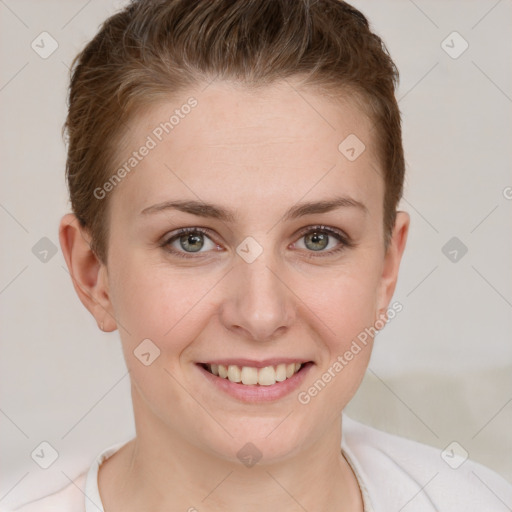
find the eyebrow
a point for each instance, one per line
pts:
(209, 210)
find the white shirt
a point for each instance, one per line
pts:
(394, 474)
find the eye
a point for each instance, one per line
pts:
(322, 240)
(189, 240)
(315, 240)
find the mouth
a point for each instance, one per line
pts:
(254, 375)
(257, 381)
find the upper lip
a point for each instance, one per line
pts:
(257, 364)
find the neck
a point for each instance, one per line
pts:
(160, 470)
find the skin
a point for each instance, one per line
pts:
(258, 154)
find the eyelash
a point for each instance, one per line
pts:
(339, 235)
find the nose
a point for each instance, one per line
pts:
(258, 303)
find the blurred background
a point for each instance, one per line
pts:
(441, 370)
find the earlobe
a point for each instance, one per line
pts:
(392, 260)
(88, 274)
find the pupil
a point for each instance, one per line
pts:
(191, 242)
(319, 241)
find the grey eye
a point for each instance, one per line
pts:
(316, 241)
(192, 242)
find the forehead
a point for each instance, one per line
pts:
(242, 146)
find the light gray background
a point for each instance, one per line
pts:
(441, 370)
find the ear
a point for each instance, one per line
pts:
(88, 273)
(391, 264)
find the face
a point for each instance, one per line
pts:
(282, 261)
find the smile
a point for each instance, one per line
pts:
(253, 382)
(250, 375)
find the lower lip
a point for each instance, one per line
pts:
(257, 393)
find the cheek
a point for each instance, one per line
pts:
(350, 315)
(346, 311)
(151, 301)
(168, 308)
(344, 300)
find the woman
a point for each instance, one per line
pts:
(234, 170)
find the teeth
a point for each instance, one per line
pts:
(249, 375)
(223, 371)
(280, 372)
(266, 376)
(234, 373)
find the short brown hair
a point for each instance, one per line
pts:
(154, 49)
